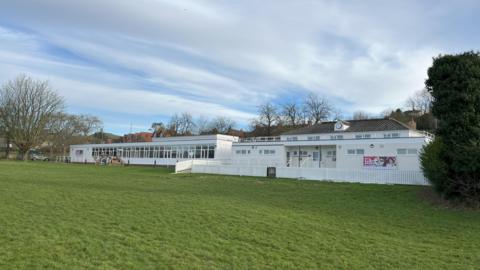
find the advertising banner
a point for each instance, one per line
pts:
(378, 162)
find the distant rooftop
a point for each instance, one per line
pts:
(353, 126)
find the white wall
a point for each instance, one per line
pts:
(386, 147)
(223, 145)
(327, 174)
(253, 156)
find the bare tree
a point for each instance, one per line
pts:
(221, 125)
(360, 115)
(27, 106)
(421, 100)
(174, 125)
(424, 100)
(317, 108)
(89, 124)
(158, 129)
(66, 129)
(202, 125)
(186, 124)
(181, 124)
(291, 113)
(268, 117)
(337, 114)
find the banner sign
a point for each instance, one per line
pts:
(377, 162)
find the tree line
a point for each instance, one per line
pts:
(272, 119)
(275, 118)
(33, 115)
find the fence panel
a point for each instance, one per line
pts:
(328, 174)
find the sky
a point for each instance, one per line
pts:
(133, 63)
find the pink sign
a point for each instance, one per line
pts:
(377, 162)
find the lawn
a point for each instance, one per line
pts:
(66, 216)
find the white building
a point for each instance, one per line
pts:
(161, 151)
(380, 144)
(357, 144)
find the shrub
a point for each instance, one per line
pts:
(434, 168)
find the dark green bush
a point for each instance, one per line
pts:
(434, 168)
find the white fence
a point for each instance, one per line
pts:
(327, 174)
(186, 165)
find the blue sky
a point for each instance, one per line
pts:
(136, 62)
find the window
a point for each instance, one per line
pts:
(244, 152)
(391, 135)
(332, 153)
(313, 138)
(407, 151)
(268, 152)
(336, 137)
(211, 151)
(260, 152)
(355, 151)
(238, 152)
(292, 138)
(363, 136)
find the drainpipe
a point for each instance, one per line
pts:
(299, 156)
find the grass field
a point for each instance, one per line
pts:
(67, 216)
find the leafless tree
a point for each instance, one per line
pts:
(421, 100)
(202, 125)
(337, 114)
(27, 106)
(181, 124)
(221, 125)
(317, 108)
(66, 129)
(360, 115)
(159, 129)
(174, 125)
(291, 112)
(267, 117)
(186, 124)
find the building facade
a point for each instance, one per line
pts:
(379, 144)
(383, 144)
(161, 151)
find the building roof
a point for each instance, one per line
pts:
(353, 126)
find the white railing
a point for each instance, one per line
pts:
(326, 174)
(186, 165)
(261, 139)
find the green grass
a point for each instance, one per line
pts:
(66, 216)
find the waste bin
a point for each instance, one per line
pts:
(271, 172)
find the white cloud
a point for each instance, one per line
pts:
(227, 57)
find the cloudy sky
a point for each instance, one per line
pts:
(136, 62)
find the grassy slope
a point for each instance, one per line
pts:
(76, 216)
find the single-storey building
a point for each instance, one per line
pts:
(355, 144)
(384, 144)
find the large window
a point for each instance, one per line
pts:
(336, 137)
(407, 151)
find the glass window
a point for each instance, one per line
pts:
(211, 151)
(244, 152)
(412, 151)
(360, 151)
(401, 151)
(198, 151)
(351, 151)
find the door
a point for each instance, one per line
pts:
(316, 157)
